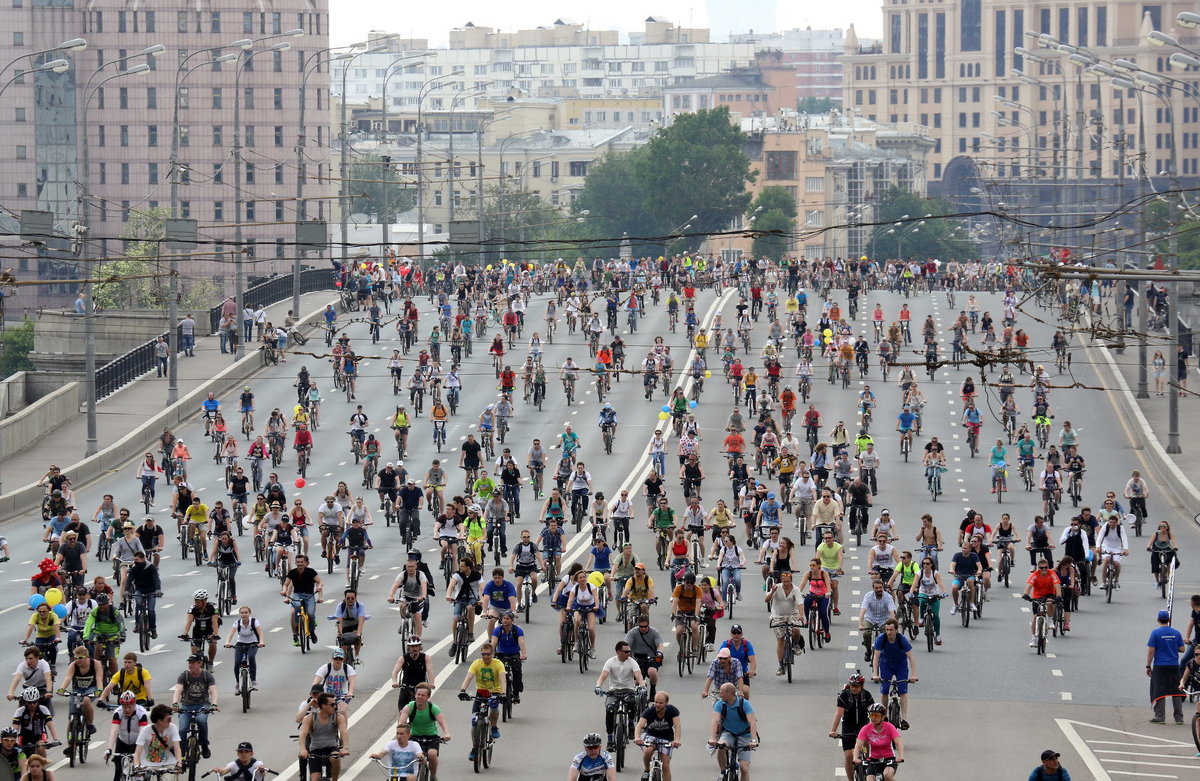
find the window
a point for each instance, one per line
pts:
(247, 22)
(577, 168)
(277, 62)
(22, 189)
(100, 135)
(21, 153)
(276, 23)
(1064, 24)
(215, 22)
(962, 119)
(894, 22)
(1102, 26)
(969, 25)
(218, 176)
(152, 135)
(217, 136)
(922, 46)
(814, 184)
(18, 39)
(185, 209)
(939, 46)
(250, 216)
(812, 218)
(185, 135)
(279, 135)
(781, 165)
(1155, 12)
(150, 23)
(124, 135)
(123, 97)
(219, 211)
(121, 26)
(152, 173)
(278, 98)
(216, 97)
(250, 135)
(124, 173)
(279, 173)
(1001, 36)
(248, 98)
(151, 96)
(937, 120)
(19, 114)
(181, 22)
(249, 173)
(279, 214)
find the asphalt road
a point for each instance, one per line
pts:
(1092, 677)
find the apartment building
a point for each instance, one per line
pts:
(130, 121)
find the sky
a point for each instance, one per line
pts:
(352, 19)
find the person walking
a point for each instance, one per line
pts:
(187, 333)
(1162, 668)
(161, 354)
(1050, 769)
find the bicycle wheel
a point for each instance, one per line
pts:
(478, 740)
(583, 649)
(964, 607)
(1041, 635)
(619, 741)
(244, 685)
(928, 632)
(1196, 730)
(893, 710)
(303, 627)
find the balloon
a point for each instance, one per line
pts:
(827, 332)
(666, 409)
(828, 340)
(708, 374)
(661, 416)
(53, 596)
(692, 404)
(35, 600)
(489, 267)
(300, 483)
(60, 610)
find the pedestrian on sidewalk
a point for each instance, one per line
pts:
(187, 328)
(247, 323)
(1162, 668)
(1160, 372)
(1181, 357)
(161, 354)
(260, 320)
(1050, 768)
(227, 330)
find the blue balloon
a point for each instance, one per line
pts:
(692, 404)
(666, 409)
(60, 610)
(35, 600)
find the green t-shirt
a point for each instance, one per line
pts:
(907, 572)
(663, 519)
(828, 553)
(423, 722)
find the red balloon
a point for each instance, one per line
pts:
(300, 482)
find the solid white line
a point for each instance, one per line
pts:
(1081, 747)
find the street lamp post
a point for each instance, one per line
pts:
(461, 95)
(426, 87)
(83, 209)
(392, 70)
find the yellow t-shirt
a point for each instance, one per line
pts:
(43, 629)
(488, 675)
(133, 681)
(197, 513)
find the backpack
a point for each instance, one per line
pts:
(1041, 774)
(741, 711)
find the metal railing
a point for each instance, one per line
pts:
(126, 368)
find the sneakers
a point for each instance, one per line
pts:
(903, 724)
(296, 640)
(828, 637)
(471, 755)
(1158, 721)
(91, 729)
(937, 640)
(253, 686)
(954, 610)
(779, 671)
(1033, 642)
(453, 649)
(495, 733)
(206, 752)
(709, 647)
(837, 612)
(611, 745)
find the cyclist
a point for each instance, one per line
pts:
(324, 739)
(593, 764)
(1113, 544)
(194, 694)
(358, 425)
(734, 725)
(104, 628)
(488, 676)
(851, 716)
(622, 674)
(905, 422)
(1043, 584)
(1136, 491)
(203, 624)
(608, 417)
(893, 658)
(128, 720)
(784, 600)
(658, 729)
(934, 461)
(881, 743)
(303, 585)
(972, 419)
(967, 568)
(246, 404)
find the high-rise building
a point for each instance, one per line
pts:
(130, 124)
(1051, 126)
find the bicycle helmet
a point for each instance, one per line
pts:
(875, 708)
(10, 732)
(30, 694)
(200, 594)
(246, 388)
(339, 654)
(414, 640)
(590, 739)
(607, 405)
(856, 679)
(127, 697)
(488, 407)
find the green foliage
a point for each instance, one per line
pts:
(778, 213)
(940, 237)
(143, 234)
(696, 166)
(15, 344)
(815, 105)
(367, 185)
(515, 220)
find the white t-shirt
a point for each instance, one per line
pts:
(337, 681)
(620, 674)
(403, 758)
(1111, 539)
(156, 753)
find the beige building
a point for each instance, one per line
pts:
(998, 116)
(836, 168)
(130, 123)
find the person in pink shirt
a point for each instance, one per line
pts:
(880, 740)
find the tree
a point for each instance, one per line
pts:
(16, 342)
(369, 178)
(519, 223)
(914, 227)
(612, 198)
(125, 287)
(815, 105)
(776, 212)
(696, 167)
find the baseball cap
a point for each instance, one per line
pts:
(195, 658)
(1048, 754)
(724, 653)
(245, 746)
(639, 565)
(736, 629)
(1164, 615)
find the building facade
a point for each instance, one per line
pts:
(1047, 130)
(130, 123)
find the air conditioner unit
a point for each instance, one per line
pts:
(553, 179)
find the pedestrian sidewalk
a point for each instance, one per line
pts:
(127, 409)
(1147, 419)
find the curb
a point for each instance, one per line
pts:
(26, 500)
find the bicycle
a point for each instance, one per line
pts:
(662, 546)
(1075, 487)
(583, 644)
(394, 773)
(927, 620)
(733, 769)
(461, 646)
(728, 588)
(141, 621)
(625, 707)
(999, 481)
(1109, 579)
(789, 647)
(687, 654)
(303, 623)
(482, 743)
(439, 434)
(607, 432)
(244, 686)
(1040, 624)
(78, 736)
(191, 739)
(893, 701)
(1166, 562)
(972, 438)
(656, 763)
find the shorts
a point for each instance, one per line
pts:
(728, 738)
(1048, 493)
(524, 570)
(779, 624)
(428, 742)
(885, 675)
(661, 745)
(683, 617)
(962, 581)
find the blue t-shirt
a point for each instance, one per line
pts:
(503, 597)
(1038, 774)
(741, 653)
(894, 655)
(964, 565)
(1167, 642)
(731, 719)
(506, 642)
(907, 419)
(602, 556)
(211, 405)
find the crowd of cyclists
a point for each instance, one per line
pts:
(756, 354)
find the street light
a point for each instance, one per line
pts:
(391, 71)
(1159, 38)
(461, 95)
(1187, 19)
(83, 195)
(422, 91)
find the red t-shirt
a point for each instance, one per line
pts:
(1043, 585)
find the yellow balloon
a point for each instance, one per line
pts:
(53, 596)
(363, 266)
(489, 268)
(708, 375)
(827, 332)
(828, 340)
(663, 416)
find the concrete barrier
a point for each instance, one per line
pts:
(12, 395)
(26, 501)
(19, 431)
